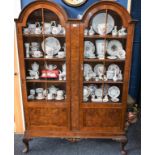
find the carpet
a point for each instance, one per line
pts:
(49, 146)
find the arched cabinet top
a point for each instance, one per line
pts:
(110, 7)
(48, 5)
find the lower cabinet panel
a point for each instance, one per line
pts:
(48, 118)
(101, 119)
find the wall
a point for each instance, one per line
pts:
(73, 12)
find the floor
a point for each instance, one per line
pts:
(47, 146)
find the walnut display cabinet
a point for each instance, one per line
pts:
(92, 98)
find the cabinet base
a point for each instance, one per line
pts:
(121, 139)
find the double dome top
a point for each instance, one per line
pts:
(107, 6)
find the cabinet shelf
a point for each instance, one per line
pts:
(44, 35)
(105, 37)
(101, 105)
(101, 81)
(44, 59)
(46, 103)
(46, 81)
(103, 60)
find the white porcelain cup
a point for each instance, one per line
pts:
(60, 93)
(61, 54)
(26, 31)
(40, 95)
(32, 92)
(50, 96)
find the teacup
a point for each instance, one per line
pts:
(26, 31)
(61, 54)
(40, 96)
(60, 93)
(37, 54)
(50, 96)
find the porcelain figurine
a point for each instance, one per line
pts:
(101, 29)
(91, 31)
(86, 32)
(105, 99)
(38, 29)
(115, 76)
(120, 76)
(114, 31)
(34, 73)
(122, 31)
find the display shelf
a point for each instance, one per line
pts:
(101, 82)
(46, 81)
(45, 59)
(45, 35)
(104, 60)
(105, 37)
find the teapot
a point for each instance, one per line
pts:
(50, 66)
(35, 67)
(47, 28)
(32, 28)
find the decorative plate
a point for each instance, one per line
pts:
(89, 49)
(51, 44)
(113, 47)
(114, 68)
(92, 89)
(87, 69)
(101, 19)
(74, 3)
(114, 92)
(99, 69)
(99, 92)
(86, 91)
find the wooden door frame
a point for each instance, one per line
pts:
(18, 110)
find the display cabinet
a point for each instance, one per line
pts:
(75, 73)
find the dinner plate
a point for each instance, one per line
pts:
(99, 69)
(89, 47)
(114, 92)
(113, 47)
(114, 68)
(92, 89)
(99, 92)
(51, 45)
(86, 91)
(101, 19)
(87, 69)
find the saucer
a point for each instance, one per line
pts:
(112, 57)
(57, 98)
(40, 98)
(115, 99)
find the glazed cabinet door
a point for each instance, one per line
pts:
(44, 53)
(104, 56)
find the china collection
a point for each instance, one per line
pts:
(46, 28)
(51, 48)
(50, 71)
(51, 93)
(99, 72)
(104, 26)
(113, 48)
(99, 94)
